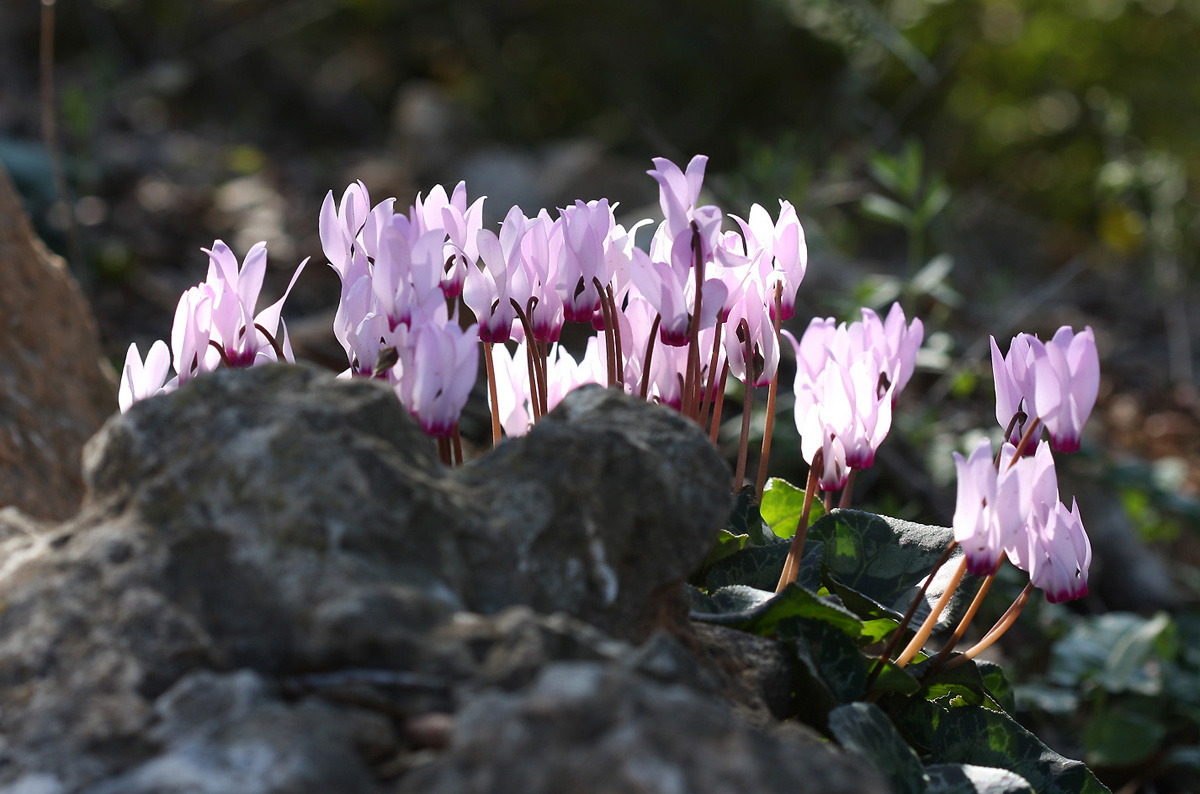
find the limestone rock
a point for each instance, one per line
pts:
(588, 727)
(284, 523)
(54, 392)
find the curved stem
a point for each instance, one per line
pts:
(918, 640)
(791, 566)
(747, 402)
(718, 404)
(712, 374)
(997, 631)
(961, 629)
(491, 379)
(616, 324)
(894, 640)
(848, 491)
(649, 355)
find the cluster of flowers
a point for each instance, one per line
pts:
(1010, 505)
(672, 322)
(215, 324)
(847, 380)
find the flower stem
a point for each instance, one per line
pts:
(765, 455)
(649, 355)
(618, 347)
(712, 374)
(848, 491)
(1025, 440)
(718, 404)
(918, 640)
(940, 659)
(997, 631)
(491, 379)
(747, 401)
(791, 566)
(894, 640)
(456, 442)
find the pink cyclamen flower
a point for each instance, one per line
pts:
(989, 513)
(1060, 555)
(436, 370)
(244, 338)
(1066, 382)
(1056, 382)
(782, 246)
(139, 379)
(898, 344)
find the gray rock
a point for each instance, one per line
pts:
(283, 522)
(224, 733)
(589, 727)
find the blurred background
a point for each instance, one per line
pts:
(996, 165)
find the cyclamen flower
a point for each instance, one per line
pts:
(139, 379)
(1060, 555)
(784, 250)
(244, 338)
(437, 366)
(989, 513)
(1056, 382)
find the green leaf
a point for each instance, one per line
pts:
(727, 544)
(760, 611)
(1118, 737)
(971, 779)
(884, 560)
(976, 735)
(1121, 652)
(864, 730)
(895, 680)
(829, 653)
(882, 208)
(782, 505)
(997, 684)
(745, 520)
(760, 567)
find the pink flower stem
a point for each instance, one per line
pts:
(693, 364)
(827, 501)
(609, 335)
(898, 634)
(1025, 440)
(997, 631)
(918, 640)
(444, 451)
(765, 455)
(619, 348)
(491, 379)
(712, 374)
(847, 491)
(537, 377)
(718, 403)
(747, 402)
(940, 659)
(791, 566)
(649, 356)
(456, 440)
